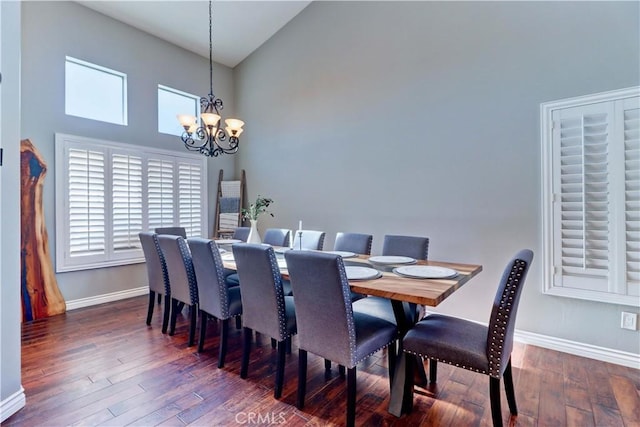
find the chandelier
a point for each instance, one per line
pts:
(209, 138)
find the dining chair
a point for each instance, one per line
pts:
(329, 325)
(157, 276)
(182, 280)
(472, 346)
(357, 243)
(216, 299)
(410, 246)
(308, 239)
(241, 233)
(353, 242)
(174, 231)
(277, 237)
(266, 309)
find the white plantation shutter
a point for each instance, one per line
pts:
(86, 209)
(160, 178)
(127, 201)
(592, 197)
(632, 196)
(190, 198)
(106, 193)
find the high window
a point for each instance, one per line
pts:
(172, 102)
(85, 83)
(109, 192)
(591, 197)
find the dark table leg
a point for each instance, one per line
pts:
(401, 400)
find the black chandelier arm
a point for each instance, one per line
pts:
(208, 144)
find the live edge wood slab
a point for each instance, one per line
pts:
(40, 294)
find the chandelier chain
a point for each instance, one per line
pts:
(210, 51)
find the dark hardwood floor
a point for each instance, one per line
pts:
(103, 366)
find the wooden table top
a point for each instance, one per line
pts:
(430, 292)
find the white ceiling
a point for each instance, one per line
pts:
(239, 27)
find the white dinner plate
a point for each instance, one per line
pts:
(361, 273)
(227, 241)
(343, 254)
(392, 259)
(425, 272)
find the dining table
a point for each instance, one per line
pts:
(401, 290)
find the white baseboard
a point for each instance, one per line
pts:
(101, 299)
(604, 354)
(12, 404)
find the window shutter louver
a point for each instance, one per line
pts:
(584, 198)
(632, 197)
(86, 219)
(126, 201)
(160, 193)
(189, 198)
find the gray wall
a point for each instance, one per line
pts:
(52, 30)
(423, 118)
(10, 309)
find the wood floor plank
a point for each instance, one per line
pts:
(105, 366)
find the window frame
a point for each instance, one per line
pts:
(616, 203)
(111, 256)
(105, 70)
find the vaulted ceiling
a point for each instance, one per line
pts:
(239, 27)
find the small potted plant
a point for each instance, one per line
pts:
(255, 209)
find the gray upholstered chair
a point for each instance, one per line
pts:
(215, 298)
(329, 325)
(353, 242)
(277, 237)
(241, 233)
(174, 231)
(157, 276)
(472, 346)
(266, 309)
(182, 280)
(310, 239)
(411, 246)
(357, 243)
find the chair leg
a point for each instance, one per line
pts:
(159, 298)
(433, 371)
(282, 348)
(166, 314)
(174, 315)
(494, 396)
(327, 364)
(341, 371)
(508, 386)
(224, 331)
(302, 377)
(351, 397)
(192, 325)
(273, 343)
(203, 330)
(238, 322)
(152, 298)
(246, 351)
(288, 342)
